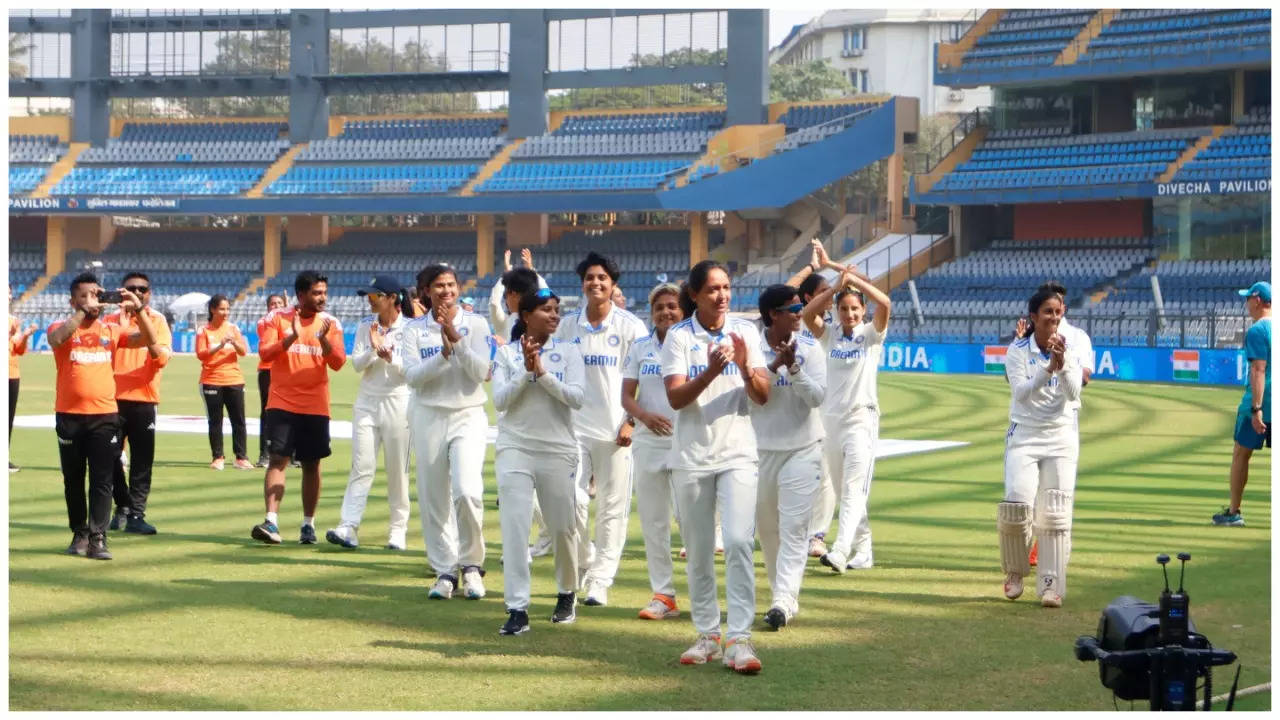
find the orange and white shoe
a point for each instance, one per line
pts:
(1050, 599)
(740, 657)
(218, 463)
(243, 464)
(706, 649)
(1012, 586)
(661, 607)
(1035, 553)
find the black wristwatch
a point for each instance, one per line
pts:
(1256, 409)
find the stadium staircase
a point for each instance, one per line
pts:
(277, 169)
(491, 168)
(728, 148)
(1190, 153)
(959, 154)
(59, 170)
(952, 54)
(1091, 30)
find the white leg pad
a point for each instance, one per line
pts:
(1013, 520)
(1055, 542)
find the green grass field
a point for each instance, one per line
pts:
(200, 617)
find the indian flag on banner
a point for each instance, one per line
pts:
(1186, 364)
(993, 358)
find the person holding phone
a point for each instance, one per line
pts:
(137, 374)
(219, 347)
(1042, 448)
(379, 417)
(538, 381)
(86, 420)
(713, 370)
(445, 355)
(644, 399)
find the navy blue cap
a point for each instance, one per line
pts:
(384, 284)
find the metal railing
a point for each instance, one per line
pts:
(924, 163)
(1209, 330)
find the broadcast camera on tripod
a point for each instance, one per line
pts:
(1152, 652)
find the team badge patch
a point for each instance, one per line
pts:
(555, 357)
(860, 339)
(614, 341)
(464, 331)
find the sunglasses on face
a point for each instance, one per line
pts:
(544, 294)
(139, 289)
(796, 308)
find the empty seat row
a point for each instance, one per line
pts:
(400, 149)
(158, 181)
(423, 128)
(546, 177)
(186, 151)
(687, 142)
(25, 178)
(372, 179)
(35, 149)
(641, 123)
(202, 131)
(801, 116)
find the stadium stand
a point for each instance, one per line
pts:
(367, 179)
(1142, 33)
(634, 123)
(25, 178)
(1027, 37)
(26, 263)
(1243, 152)
(43, 149)
(580, 176)
(1055, 160)
(812, 123)
(158, 181)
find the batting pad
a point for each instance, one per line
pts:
(1055, 542)
(1013, 520)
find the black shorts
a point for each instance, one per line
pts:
(304, 437)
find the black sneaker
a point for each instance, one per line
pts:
(263, 461)
(775, 618)
(564, 612)
(97, 549)
(517, 623)
(79, 544)
(267, 532)
(307, 536)
(13, 468)
(119, 519)
(138, 525)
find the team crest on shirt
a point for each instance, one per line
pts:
(859, 339)
(614, 341)
(464, 331)
(799, 360)
(555, 357)
(106, 340)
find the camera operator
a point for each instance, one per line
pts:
(87, 423)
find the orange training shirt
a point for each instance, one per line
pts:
(86, 384)
(17, 346)
(299, 380)
(137, 373)
(262, 327)
(220, 367)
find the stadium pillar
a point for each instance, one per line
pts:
(90, 56)
(93, 233)
(527, 230)
(1237, 95)
(271, 245)
(697, 238)
(747, 75)
(308, 57)
(55, 250)
(527, 94)
(307, 231)
(484, 245)
(895, 191)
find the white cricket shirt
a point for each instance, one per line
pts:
(790, 420)
(379, 378)
(853, 361)
(536, 414)
(714, 431)
(603, 348)
(644, 365)
(1040, 399)
(452, 383)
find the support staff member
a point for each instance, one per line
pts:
(275, 301)
(219, 346)
(300, 342)
(1253, 418)
(137, 374)
(86, 420)
(17, 347)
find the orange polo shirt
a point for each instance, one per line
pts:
(262, 327)
(137, 373)
(299, 381)
(86, 383)
(220, 367)
(17, 346)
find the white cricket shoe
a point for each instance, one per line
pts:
(706, 649)
(472, 584)
(817, 548)
(597, 594)
(1051, 599)
(835, 560)
(344, 536)
(861, 561)
(740, 657)
(396, 541)
(542, 547)
(442, 589)
(1012, 586)
(661, 607)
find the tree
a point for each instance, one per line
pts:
(802, 82)
(649, 96)
(17, 68)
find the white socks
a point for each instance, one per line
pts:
(271, 518)
(309, 520)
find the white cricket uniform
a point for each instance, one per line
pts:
(596, 423)
(1080, 345)
(651, 455)
(789, 437)
(824, 506)
(1042, 448)
(379, 417)
(851, 417)
(537, 454)
(714, 464)
(449, 426)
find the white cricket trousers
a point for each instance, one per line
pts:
(611, 465)
(450, 445)
(698, 494)
(655, 503)
(789, 482)
(549, 477)
(379, 422)
(824, 506)
(1040, 470)
(851, 456)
